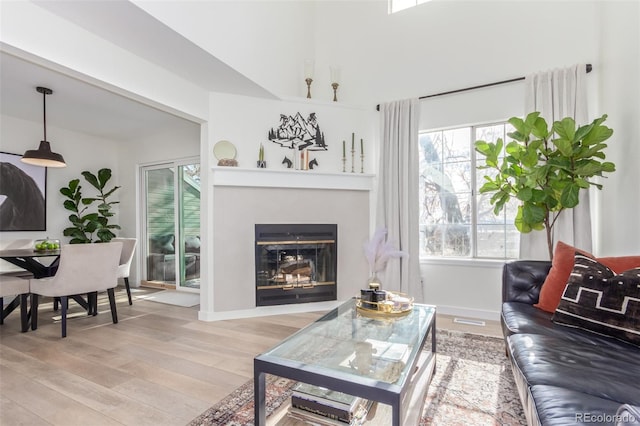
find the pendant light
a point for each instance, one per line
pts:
(43, 156)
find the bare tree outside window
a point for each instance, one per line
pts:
(455, 220)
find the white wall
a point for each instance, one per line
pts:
(618, 228)
(81, 152)
(246, 122)
(266, 41)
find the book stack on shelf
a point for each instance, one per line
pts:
(321, 406)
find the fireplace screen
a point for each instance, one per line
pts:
(295, 263)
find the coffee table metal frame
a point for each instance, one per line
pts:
(405, 395)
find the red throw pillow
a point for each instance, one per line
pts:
(561, 267)
(556, 281)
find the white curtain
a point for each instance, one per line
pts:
(558, 94)
(397, 208)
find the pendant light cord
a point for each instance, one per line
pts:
(44, 112)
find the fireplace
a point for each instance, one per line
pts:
(295, 263)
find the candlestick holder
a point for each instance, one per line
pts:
(308, 80)
(344, 164)
(361, 163)
(353, 156)
(335, 89)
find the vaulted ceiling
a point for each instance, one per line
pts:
(87, 106)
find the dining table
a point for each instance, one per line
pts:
(41, 263)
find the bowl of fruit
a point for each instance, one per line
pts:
(47, 244)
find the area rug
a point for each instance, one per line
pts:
(172, 297)
(472, 385)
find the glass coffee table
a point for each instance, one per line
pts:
(378, 358)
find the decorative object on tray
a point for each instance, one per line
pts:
(46, 244)
(225, 152)
(378, 251)
(383, 304)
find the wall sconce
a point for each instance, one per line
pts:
(308, 75)
(335, 81)
(43, 156)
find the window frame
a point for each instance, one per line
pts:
(472, 257)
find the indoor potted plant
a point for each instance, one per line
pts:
(544, 169)
(85, 225)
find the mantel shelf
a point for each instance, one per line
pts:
(235, 176)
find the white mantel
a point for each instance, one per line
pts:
(308, 179)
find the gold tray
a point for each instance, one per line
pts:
(379, 312)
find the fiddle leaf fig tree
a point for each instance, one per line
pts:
(85, 225)
(544, 169)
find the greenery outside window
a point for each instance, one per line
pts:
(455, 219)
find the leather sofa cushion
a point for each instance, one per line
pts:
(520, 318)
(580, 366)
(523, 279)
(558, 406)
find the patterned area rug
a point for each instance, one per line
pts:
(472, 385)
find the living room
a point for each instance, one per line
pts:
(257, 73)
(363, 40)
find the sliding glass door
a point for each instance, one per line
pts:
(171, 218)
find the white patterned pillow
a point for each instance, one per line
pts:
(597, 300)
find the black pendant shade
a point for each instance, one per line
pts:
(43, 156)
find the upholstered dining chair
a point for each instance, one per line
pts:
(128, 248)
(84, 269)
(11, 286)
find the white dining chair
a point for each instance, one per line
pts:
(84, 269)
(18, 288)
(126, 257)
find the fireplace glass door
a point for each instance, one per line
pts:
(295, 263)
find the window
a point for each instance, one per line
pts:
(398, 5)
(455, 219)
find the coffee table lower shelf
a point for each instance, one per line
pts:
(379, 414)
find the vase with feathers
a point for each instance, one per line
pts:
(378, 251)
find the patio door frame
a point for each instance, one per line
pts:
(177, 209)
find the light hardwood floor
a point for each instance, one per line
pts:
(158, 366)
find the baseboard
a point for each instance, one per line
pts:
(458, 311)
(262, 311)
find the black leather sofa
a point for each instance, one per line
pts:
(564, 375)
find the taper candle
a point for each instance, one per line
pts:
(361, 147)
(344, 150)
(353, 136)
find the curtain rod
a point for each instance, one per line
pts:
(589, 68)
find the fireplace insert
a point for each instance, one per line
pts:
(295, 263)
